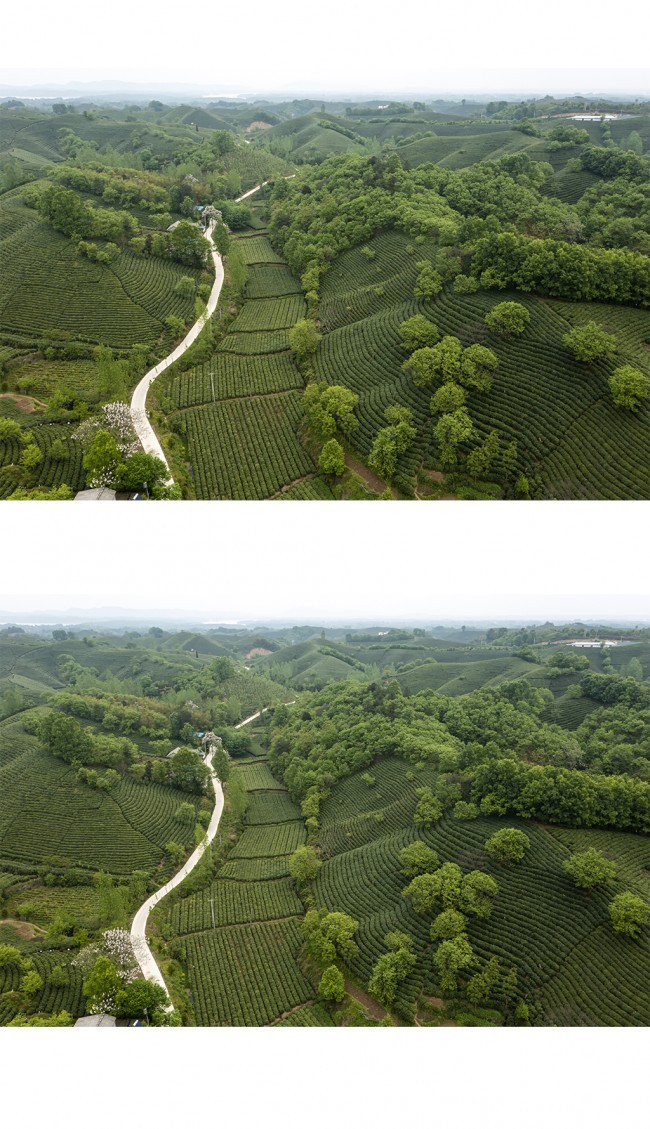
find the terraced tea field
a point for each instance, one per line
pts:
(570, 964)
(241, 935)
(572, 441)
(45, 812)
(238, 414)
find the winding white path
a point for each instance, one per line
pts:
(143, 953)
(144, 430)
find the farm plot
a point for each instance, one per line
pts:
(311, 489)
(50, 471)
(269, 313)
(226, 378)
(46, 812)
(246, 449)
(46, 286)
(152, 809)
(258, 777)
(248, 344)
(266, 842)
(271, 281)
(246, 975)
(311, 1015)
(271, 807)
(569, 962)
(50, 998)
(257, 249)
(151, 283)
(572, 441)
(255, 870)
(235, 903)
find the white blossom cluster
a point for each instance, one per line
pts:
(119, 949)
(116, 419)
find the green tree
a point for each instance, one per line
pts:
(448, 924)
(332, 985)
(102, 459)
(590, 868)
(330, 935)
(429, 282)
(450, 431)
(418, 333)
(590, 342)
(332, 458)
(64, 737)
(628, 386)
(175, 852)
(140, 999)
(478, 890)
(303, 339)
(629, 913)
(483, 985)
(31, 456)
(392, 967)
(509, 319)
(140, 471)
(508, 844)
(9, 955)
(330, 408)
(428, 891)
(465, 810)
(417, 858)
(451, 958)
(185, 287)
(428, 809)
(304, 865)
(448, 398)
(185, 812)
(101, 986)
(9, 429)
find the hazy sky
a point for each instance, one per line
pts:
(338, 46)
(305, 561)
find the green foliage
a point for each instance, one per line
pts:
(304, 338)
(304, 865)
(332, 985)
(428, 809)
(417, 858)
(330, 936)
(508, 844)
(452, 958)
(448, 925)
(418, 333)
(101, 986)
(628, 386)
(392, 967)
(629, 914)
(590, 868)
(429, 282)
(330, 409)
(509, 319)
(590, 343)
(141, 999)
(332, 458)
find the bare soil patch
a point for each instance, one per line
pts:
(26, 930)
(27, 404)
